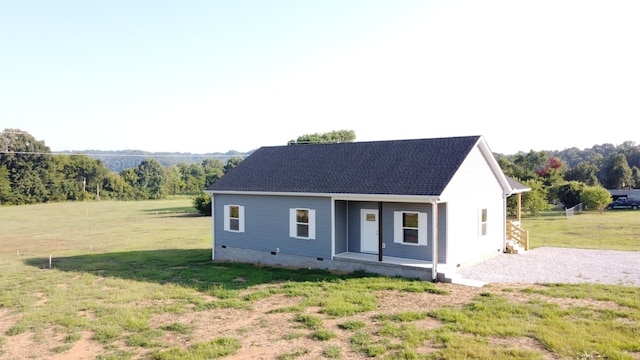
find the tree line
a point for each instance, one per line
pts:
(572, 176)
(30, 173)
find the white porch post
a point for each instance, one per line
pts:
(380, 239)
(333, 228)
(434, 237)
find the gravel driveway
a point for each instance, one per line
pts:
(559, 265)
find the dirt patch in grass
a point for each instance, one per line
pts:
(81, 349)
(7, 320)
(523, 343)
(266, 333)
(513, 292)
(264, 330)
(48, 345)
(268, 329)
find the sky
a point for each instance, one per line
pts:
(206, 76)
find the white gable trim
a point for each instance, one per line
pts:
(495, 167)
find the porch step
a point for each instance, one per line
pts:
(455, 278)
(468, 282)
(514, 248)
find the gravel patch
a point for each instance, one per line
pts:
(559, 265)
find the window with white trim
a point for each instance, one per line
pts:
(234, 218)
(302, 223)
(483, 222)
(410, 227)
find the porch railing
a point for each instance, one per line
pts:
(517, 234)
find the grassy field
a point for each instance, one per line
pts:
(134, 280)
(610, 230)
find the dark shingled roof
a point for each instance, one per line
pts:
(516, 186)
(397, 167)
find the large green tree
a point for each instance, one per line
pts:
(619, 175)
(569, 193)
(213, 169)
(635, 176)
(339, 136)
(535, 200)
(192, 176)
(232, 163)
(524, 166)
(6, 197)
(585, 172)
(83, 176)
(151, 179)
(30, 166)
(115, 187)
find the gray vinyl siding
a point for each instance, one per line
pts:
(267, 224)
(404, 250)
(341, 226)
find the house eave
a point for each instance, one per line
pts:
(386, 197)
(507, 190)
(337, 196)
(518, 191)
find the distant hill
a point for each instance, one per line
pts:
(118, 160)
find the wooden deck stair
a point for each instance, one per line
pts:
(517, 238)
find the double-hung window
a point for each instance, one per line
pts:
(302, 223)
(234, 218)
(410, 227)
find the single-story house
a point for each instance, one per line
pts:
(415, 208)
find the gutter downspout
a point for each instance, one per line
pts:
(504, 223)
(434, 236)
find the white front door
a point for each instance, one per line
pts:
(369, 231)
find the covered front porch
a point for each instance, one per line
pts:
(368, 230)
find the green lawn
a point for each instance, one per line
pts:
(610, 230)
(134, 280)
